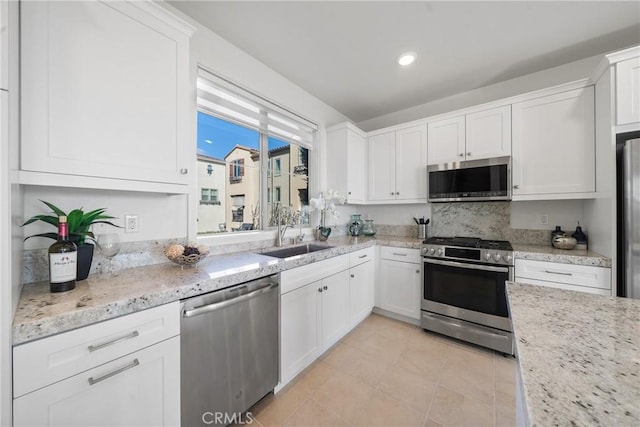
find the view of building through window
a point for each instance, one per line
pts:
(229, 179)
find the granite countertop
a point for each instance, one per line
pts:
(41, 313)
(578, 356)
(551, 254)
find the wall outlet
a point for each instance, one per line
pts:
(543, 219)
(131, 224)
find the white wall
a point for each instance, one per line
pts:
(565, 213)
(553, 76)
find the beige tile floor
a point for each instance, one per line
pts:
(388, 373)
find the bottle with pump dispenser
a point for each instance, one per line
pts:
(581, 238)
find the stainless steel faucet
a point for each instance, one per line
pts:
(281, 230)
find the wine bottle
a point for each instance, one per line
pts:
(63, 257)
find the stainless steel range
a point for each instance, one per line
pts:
(463, 290)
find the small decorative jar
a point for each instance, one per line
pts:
(355, 218)
(368, 229)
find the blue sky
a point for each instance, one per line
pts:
(217, 137)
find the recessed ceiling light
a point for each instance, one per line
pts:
(407, 58)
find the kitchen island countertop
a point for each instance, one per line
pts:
(578, 356)
(40, 313)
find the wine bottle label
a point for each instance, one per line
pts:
(62, 267)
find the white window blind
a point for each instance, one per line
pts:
(224, 99)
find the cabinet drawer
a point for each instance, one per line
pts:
(45, 361)
(401, 254)
(577, 275)
(300, 276)
(558, 285)
(361, 256)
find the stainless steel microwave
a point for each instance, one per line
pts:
(474, 180)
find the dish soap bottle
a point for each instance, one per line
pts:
(580, 237)
(557, 232)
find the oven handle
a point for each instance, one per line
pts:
(465, 265)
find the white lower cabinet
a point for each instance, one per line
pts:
(582, 278)
(361, 285)
(121, 372)
(142, 388)
(400, 283)
(314, 312)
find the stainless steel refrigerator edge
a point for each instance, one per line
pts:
(629, 217)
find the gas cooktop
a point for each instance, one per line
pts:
(469, 249)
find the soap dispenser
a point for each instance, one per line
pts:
(580, 237)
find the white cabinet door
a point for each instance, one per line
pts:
(361, 284)
(411, 163)
(488, 133)
(142, 388)
(628, 91)
(446, 141)
(400, 288)
(382, 166)
(299, 329)
(347, 160)
(335, 308)
(356, 158)
(105, 92)
(553, 144)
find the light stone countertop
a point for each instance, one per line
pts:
(562, 256)
(578, 356)
(41, 313)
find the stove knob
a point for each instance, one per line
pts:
(423, 251)
(439, 251)
(487, 256)
(432, 251)
(497, 257)
(508, 258)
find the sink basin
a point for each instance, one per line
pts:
(293, 251)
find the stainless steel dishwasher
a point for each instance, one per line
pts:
(229, 351)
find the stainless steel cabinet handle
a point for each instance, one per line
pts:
(218, 305)
(468, 153)
(397, 193)
(133, 364)
(516, 186)
(93, 348)
(353, 276)
(392, 193)
(349, 192)
(363, 256)
(320, 290)
(325, 288)
(397, 254)
(558, 272)
(184, 171)
(418, 271)
(461, 154)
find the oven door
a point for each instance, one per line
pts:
(472, 292)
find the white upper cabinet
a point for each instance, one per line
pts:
(446, 141)
(398, 165)
(105, 92)
(480, 135)
(553, 144)
(628, 91)
(4, 45)
(488, 133)
(382, 166)
(346, 159)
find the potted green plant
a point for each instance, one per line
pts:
(79, 223)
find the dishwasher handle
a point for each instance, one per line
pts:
(222, 304)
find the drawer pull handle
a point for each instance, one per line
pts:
(115, 372)
(397, 254)
(558, 272)
(93, 348)
(362, 256)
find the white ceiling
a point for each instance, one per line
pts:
(344, 52)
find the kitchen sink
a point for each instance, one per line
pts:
(293, 251)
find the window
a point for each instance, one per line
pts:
(264, 148)
(209, 196)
